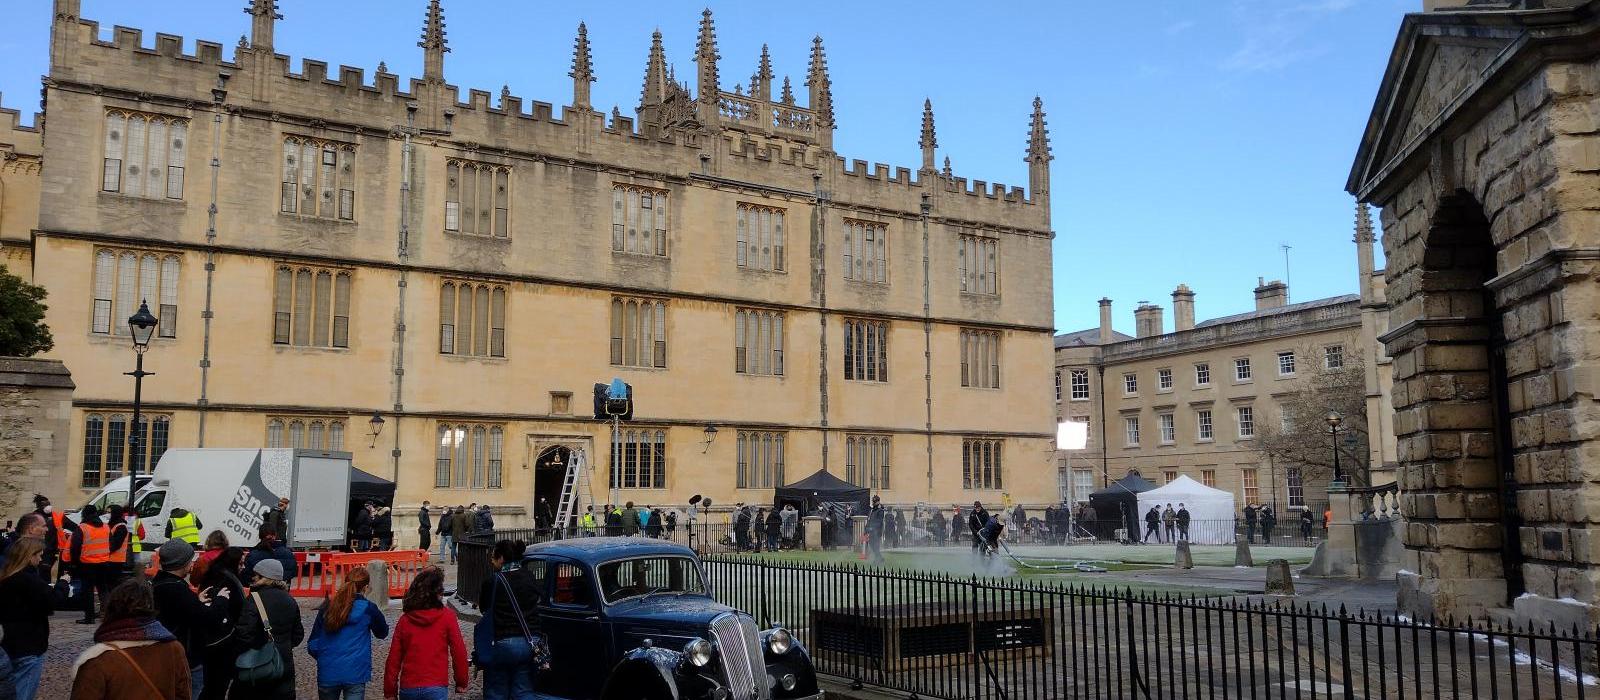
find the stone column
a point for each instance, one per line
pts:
(35, 421)
(858, 529)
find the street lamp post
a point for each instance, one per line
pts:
(142, 325)
(1334, 419)
(374, 427)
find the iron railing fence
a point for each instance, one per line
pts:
(947, 636)
(944, 636)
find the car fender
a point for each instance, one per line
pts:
(646, 672)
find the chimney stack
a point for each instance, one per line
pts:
(1106, 334)
(1182, 308)
(1147, 320)
(1271, 295)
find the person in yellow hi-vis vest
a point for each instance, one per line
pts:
(183, 525)
(587, 522)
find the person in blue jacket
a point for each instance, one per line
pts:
(341, 640)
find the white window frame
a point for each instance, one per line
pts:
(1082, 485)
(1130, 424)
(1164, 379)
(1169, 428)
(1080, 389)
(1202, 374)
(1204, 431)
(1130, 383)
(1208, 477)
(1333, 357)
(1241, 369)
(1245, 418)
(1295, 488)
(1286, 363)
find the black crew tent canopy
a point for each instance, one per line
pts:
(823, 490)
(366, 487)
(1117, 505)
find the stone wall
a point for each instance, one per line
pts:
(35, 413)
(1489, 184)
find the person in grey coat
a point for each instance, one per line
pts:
(283, 615)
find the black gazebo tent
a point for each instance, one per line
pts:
(828, 496)
(366, 487)
(1118, 504)
(823, 489)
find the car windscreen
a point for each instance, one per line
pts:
(628, 578)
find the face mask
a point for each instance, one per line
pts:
(49, 508)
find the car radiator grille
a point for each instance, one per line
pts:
(740, 644)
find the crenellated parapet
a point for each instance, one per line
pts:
(21, 146)
(673, 133)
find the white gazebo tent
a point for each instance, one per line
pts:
(1210, 510)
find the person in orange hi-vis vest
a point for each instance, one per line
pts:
(91, 552)
(58, 539)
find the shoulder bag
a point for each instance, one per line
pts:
(264, 663)
(492, 652)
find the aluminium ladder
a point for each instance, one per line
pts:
(575, 480)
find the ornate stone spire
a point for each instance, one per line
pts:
(705, 57)
(1038, 152)
(928, 142)
(263, 17)
(821, 86)
(761, 82)
(655, 83)
(788, 92)
(433, 43)
(1364, 232)
(948, 173)
(582, 68)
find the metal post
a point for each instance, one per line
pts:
(1334, 431)
(138, 375)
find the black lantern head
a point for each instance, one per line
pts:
(142, 324)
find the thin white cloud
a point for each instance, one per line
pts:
(1277, 35)
(1177, 28)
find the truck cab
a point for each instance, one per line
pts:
(628, 617)
(114, 493)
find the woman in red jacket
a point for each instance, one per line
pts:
(427, 644)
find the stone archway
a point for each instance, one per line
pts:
(1453, 416)
(549, 472)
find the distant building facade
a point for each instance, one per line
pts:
(465, 266)
(1194, 401)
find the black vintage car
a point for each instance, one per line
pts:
(631, 618)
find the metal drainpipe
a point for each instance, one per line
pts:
(822, 315)
(1105, 431)
(403, 252)
(927, 340)
(218, 95)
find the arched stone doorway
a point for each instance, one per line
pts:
(1455, 420)
(549, 472)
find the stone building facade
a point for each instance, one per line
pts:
(1483, 154)
(35, 431)
(467, 265)
(1193, 401)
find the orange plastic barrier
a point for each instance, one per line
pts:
(321, 573)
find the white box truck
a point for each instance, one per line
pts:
(233, 489)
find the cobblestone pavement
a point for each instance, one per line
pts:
(68, 639)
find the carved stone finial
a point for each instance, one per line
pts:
(705, 58)
(656, 75)
(928, 142)
(383, 67)
(433, 43)
(1364, 231)
(582, 72)
(788, 92)
(947, 171)
(1038, 135)
(761, 82)
(821, 86)
(263, 17)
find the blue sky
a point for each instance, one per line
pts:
(1192, 138)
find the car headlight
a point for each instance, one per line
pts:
(780, 642)
(698, 652)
